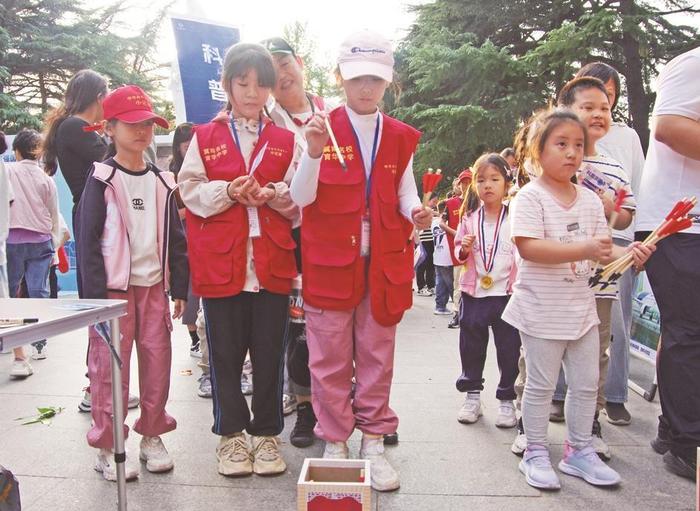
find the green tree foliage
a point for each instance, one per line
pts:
(472, 70)
(316, 74)
(44, 42)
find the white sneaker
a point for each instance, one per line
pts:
(39, 353)
(538, 470)
(85, 404)
(21, 369)
(133, 402)
(289, 404)
(246, 384)
(506, 415)
(154, 453)
(471, 410)
(383, 476)
(107, 467)
(336, 451)
(520, 442)
(601, 448)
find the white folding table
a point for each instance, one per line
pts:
(57, 317)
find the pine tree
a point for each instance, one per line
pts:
(471, 70)
(44, 42)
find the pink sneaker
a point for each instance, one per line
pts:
(586, 464)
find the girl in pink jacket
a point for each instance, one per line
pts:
(131, 246)
(484, 248)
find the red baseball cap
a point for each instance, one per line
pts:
(131, 105)
(466, 174)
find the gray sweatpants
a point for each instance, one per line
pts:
(543, 358)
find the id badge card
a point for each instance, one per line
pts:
(364, 241)
(593, 179)
(253, 223)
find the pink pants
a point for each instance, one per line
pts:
(335, 340)
(148, 323)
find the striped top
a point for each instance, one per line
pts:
(616, 178)
(553, 301)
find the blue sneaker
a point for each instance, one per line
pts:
(537, 468)
(586, 464)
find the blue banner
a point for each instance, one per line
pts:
(200, 53)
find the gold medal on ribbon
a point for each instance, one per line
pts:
(486, 282)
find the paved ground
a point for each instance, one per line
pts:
(443, 464)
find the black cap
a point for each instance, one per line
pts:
(278, 45)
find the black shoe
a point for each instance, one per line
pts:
(617, 414)
(680, 466)
(661, 445)
(391, 439)
(455, 321)
(556, 412)
(303, 432)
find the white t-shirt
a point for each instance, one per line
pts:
(500, 273)
(6, 196)
(441, 254)
(615, 178)
(669, 176)
(142, 226)
(553, 301)
(622, 144)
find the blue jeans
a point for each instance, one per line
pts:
(616, 388)
(30, 261)
(444, 276)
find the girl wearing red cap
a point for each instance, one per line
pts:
(360, 209)
(132, 247)
(239, 228)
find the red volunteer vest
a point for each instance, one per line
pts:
(452, 207)
(217, 245)
(335, 274)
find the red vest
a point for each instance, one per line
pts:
(335, 274)
(452, 207)
(217, 245)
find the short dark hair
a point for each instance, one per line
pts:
(507, 152)
(567, 94)
(28, 144)
(3, 142)
(604, 73)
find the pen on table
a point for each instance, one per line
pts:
(18, 321)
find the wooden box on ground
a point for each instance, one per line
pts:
(334, 485)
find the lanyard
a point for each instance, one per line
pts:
(232, 122)
(373, 157)
(296, 121)
(488, 263)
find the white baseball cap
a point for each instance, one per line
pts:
(366, 53)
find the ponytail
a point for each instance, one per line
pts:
(470, 201)
(52, 122)
(86, 87)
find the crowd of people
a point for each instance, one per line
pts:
(288, 234)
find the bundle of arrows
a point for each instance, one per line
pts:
(676, 221)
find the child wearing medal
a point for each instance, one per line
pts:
(483, 246)
(360, 209)
(233, 182)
